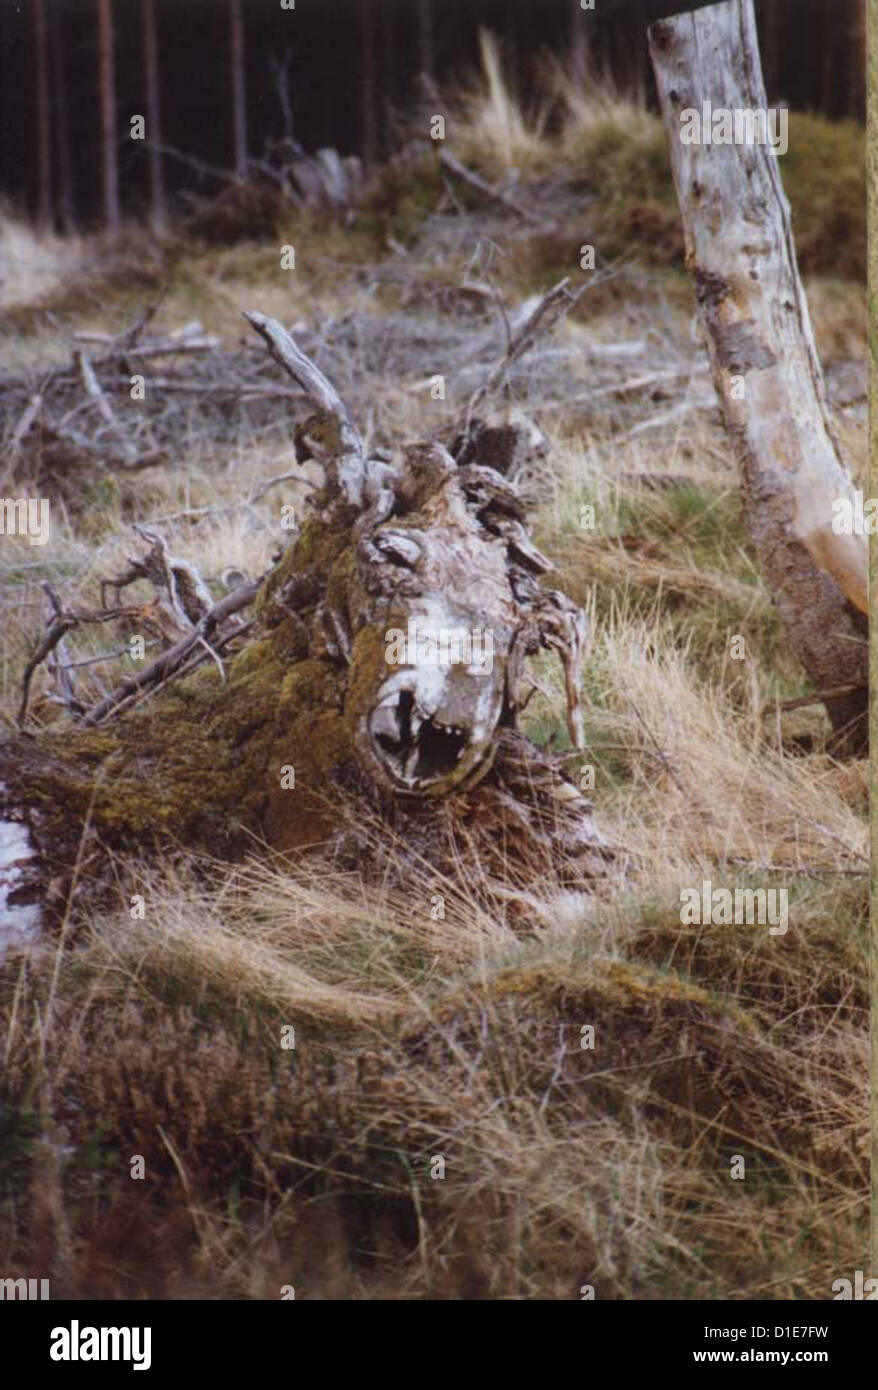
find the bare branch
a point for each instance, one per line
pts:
(93, 386)
(547, 313)
(170, 661)
(474, 180)
(347, 452)
(34, 406)
(319, 390)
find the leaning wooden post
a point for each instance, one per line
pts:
(739, 250)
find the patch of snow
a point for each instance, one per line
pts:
(19, 923)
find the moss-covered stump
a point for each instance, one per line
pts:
(384, 671)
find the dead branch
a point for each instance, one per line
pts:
(170, 661)
(548, 312)
(200, 166)
(93, 386)
(281, 478)
(838, 692)
(266, 391)
(488, 190)
(61, 624)
(129, 338)
(316, 386)
(344, 448)
(26, 419)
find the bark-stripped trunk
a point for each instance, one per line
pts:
(153, 117)
(239, 87)
(108, 117)
(739, 249)
(44, 157)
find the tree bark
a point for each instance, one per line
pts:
(390, 76)
(153, 118)
(578, 46)
(108, 117)
(239, 87)
(739, 249)
(858, 75)
(425, 37)
(369, 84)
(44, 157)
(57, 51)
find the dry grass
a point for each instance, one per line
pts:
(32, 266)
(417, 1041)
(459, 1038)
(490, 118)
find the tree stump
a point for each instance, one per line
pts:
(383, 673)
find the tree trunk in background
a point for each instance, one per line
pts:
(641, 55)
(834, 41)
(57, 52)
(739, 248)
(108, 117)
(44, 155)
(425, 37)
(239, 87)
(367, 33)
(578, 45)
(388, 84)
(858, 85)
(153, 117)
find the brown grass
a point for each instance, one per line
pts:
(459, 1038)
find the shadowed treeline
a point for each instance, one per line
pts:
(334, 74)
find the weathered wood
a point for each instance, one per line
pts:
(385, 663)
(740, 251)
(341, 442)
(92, 385)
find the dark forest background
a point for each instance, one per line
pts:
(353, 66)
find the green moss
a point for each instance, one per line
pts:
(201, 762)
